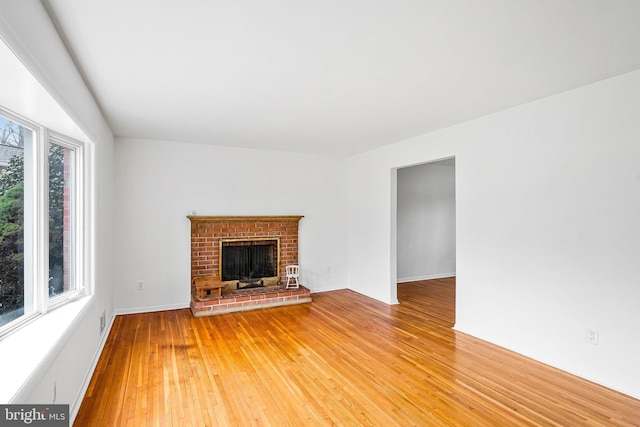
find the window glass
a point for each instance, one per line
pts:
(61, 219)
(16, 299)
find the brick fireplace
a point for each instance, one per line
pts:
(211, 235)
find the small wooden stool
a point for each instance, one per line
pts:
(208, 287)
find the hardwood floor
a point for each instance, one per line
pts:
(345, 359)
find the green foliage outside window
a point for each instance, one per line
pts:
(12, 249)
(12, 236)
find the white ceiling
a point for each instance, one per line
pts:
(334, 76)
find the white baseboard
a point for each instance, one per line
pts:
(429, 277)
(329, 289)
(138, 310)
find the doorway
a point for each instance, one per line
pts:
(425, 222)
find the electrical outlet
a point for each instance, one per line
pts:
(54, 392)
(592, 336)
(103, 322)
(140, 285)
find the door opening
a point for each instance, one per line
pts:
(425, 213)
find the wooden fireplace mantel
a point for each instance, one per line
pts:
(202, 218)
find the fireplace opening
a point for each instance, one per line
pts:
(249, 261)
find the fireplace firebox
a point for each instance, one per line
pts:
(250, 260)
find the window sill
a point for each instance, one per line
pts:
(27, 353)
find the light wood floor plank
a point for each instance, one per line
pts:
(345, 359)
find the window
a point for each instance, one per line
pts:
(14, 303)
(40, 218)
(61, 219)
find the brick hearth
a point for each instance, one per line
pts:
(250, 299)
(206, 233)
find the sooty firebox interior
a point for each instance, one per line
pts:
(249, 259)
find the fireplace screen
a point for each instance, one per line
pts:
(248, 259)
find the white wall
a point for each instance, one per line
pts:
(27, 30)
(160, 182)
(548, 237)
(426, 218)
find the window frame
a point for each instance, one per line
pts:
(77, 213)
(36, 220)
